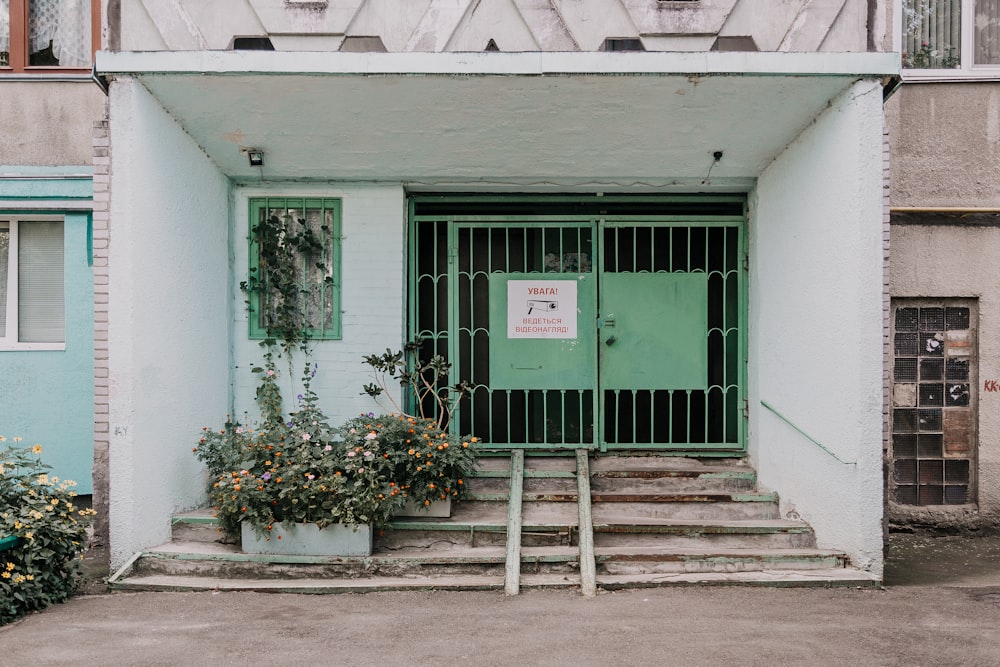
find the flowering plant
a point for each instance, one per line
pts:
(287, 468)
(423, 462)
(297, 468)
(38, 510)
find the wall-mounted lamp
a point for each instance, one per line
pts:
(256, 157)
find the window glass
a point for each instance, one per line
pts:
(987, 32)
(4, 33)
(294, 276)
(933, 393)
(4, 267)
(40, 282)
(59, 33)
(932, 34)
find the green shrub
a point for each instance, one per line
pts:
(424, 462)
(43, 568)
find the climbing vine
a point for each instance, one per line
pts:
(287, 249)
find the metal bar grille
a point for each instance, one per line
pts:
(452, 260)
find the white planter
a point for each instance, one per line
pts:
(307, 539)
(438, 509)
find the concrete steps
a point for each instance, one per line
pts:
(656, 521)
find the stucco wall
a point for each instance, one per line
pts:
(47, 396)
(469, 25)
(945, 141)
(169, 314)
(816, 325)
(48, 123)
(945, 144)
(959, 261)
(373, 298)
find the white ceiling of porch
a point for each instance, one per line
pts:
(442, 118)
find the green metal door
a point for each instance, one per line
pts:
(610, 329)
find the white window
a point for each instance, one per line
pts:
(32, 302)
(951, 37)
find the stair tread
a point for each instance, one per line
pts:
(210, 550)
(821, 577)
(683, 496)
(314, 585)
(202, 514)
(612, 519)
(843, 576)
(712, 552)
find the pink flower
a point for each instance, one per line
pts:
(371, 436)
(351, 454)
(306, 436)
(270, 373)
(360, 470)
(327, 448)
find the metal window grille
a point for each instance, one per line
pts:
(319, 270)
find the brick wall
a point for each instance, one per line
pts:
(102, 195)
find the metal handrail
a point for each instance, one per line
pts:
(804, 434)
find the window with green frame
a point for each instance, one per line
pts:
(293, 284)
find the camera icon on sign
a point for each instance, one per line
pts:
(547, 306)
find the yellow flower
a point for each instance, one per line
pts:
(1, 470)
(29, 535)
(10, 566)
(5, 575)
(29, 577)
(18, 438)
(3, 439)
(37, 449)
(17, 525)
(43, 479)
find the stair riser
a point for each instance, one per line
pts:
(656, 485)
(195, 532)
(701, 511)
(715, 565)
(621, 484)
(254, 570)
(501, 485)
(775, 540)
(431, 539)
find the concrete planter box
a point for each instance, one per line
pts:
(438, 509)
(307, 539)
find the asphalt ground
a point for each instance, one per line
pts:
(940, 606)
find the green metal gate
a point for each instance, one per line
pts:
(603, 322)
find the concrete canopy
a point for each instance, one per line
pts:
(521, 118)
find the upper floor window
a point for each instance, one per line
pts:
(32, 302)
(47, 35)
(951, 34)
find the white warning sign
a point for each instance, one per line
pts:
(541, 309)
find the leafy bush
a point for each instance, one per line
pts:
(297, 468)
(424, 462)
(43, 568)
